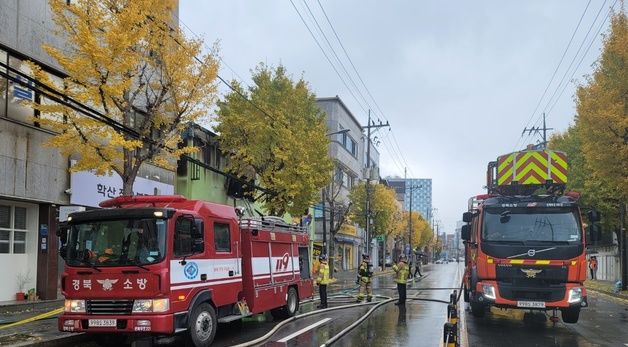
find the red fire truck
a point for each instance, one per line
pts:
(525, 241)
(164, 264)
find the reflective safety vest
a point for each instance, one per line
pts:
(323, 274)
(402, 271)
(364, 273)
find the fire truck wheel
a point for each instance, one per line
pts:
(477, 309)
(291, 307)
(571, 315)
(203, 325)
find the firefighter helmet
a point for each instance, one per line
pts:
(322, 257)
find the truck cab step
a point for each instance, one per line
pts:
(233, 317)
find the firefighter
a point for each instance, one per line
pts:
(401, 277)
(323, 280)
(364, 279)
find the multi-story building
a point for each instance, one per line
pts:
(415, 191)
(35, 182)
(348, 152)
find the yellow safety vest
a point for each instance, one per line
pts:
(323, 274)
(402, 272)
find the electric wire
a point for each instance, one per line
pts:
(555, 70)
(560, 84)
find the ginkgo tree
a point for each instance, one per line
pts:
(274, 133)
(131, 62)
(597, 142)
(384, 208)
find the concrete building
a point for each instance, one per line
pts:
(35, 183)
(348, 151)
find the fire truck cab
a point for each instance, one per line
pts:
(164, 265)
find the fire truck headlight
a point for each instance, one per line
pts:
(575, 295)
(75, 306)
(489, 291)
(155, 305)
(161, 305)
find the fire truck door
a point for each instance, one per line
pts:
(285, 261)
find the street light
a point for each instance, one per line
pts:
(341, 131)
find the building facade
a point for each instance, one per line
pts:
(415, 191)
(35, 182)
(348, 152)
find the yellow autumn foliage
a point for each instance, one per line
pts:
(129, 61)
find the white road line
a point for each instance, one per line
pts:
(309, 327)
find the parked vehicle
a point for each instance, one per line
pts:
(524, 250)
(165, 265)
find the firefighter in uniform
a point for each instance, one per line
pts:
(364, 279)
(323, 280)
(401, 277)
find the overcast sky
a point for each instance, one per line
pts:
(458, 81)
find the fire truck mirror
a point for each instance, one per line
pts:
(594, 215)
(467, 217)
(595, 233)
(464, 233)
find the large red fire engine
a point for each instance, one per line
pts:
(165, 264)
(525, 241)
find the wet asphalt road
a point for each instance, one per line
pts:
(603, 323)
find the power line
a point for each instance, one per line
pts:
(583, 56)
(394, 145)
(556, 69)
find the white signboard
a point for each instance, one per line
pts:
(88, 189)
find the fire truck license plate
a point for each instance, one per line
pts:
(102, 323)
(531, 304)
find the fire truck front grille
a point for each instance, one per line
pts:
(109, 306)
(527, 282)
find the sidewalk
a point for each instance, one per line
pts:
(41, 332)
(605, 287)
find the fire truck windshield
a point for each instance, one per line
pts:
(117, 242)
(521, 225)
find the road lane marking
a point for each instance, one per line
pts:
(299, 332)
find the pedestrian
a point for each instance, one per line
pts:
(323, 280)
(593, 267)
(364, 279)
(417, 266)
(401, 277)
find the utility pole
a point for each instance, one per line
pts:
(324, 250)
(538, 130)
(367, 213)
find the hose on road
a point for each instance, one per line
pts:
(276, 328)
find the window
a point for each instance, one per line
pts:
(183, 236)
(12, 229)
(222, 238)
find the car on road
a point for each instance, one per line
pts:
(439, 261)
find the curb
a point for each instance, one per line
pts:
(599, 291)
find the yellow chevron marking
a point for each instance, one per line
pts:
(542, 262)
(501, 179)
(516, 261)
(558, 160)
(531, 166)
(559, 174)
(505, 162)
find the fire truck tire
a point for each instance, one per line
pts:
(109, 339)
(477, 309)
(570, 315)
(203, 324)
(291, 307)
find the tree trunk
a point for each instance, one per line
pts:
(332, 234)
